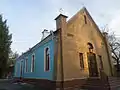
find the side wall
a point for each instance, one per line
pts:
(39, 72)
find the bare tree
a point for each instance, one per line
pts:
(12, 58)
(114, 46)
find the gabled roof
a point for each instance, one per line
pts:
(89, 16)
(74, 17)
(37, 45)
(70, 21)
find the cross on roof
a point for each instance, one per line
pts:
(61, 10)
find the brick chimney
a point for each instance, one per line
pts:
(61, 25)
(60, 21)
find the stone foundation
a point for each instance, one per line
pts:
(76, 84)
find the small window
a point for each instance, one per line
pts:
(26, 65)
(85, 19)
(47, 59)
(81, 60)
(33, 63)
(101, 63)
(90, 47)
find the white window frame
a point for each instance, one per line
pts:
(26, 64)
(19, 67)
(32, 63)
(45, 59)
(21, 63)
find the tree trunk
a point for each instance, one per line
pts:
(1, 73)
(2, 67)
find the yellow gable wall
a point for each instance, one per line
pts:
(75, 40)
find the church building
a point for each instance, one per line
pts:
(73, 57)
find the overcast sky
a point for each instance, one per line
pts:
(28, 18)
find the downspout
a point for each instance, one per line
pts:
(60, 25)
(61, 56)
(53, 39)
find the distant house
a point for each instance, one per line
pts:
(76, 55)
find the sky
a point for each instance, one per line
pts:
(28, 18)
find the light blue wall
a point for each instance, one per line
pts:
(17, 67)
(39, 63)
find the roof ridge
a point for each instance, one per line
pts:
(82, 9)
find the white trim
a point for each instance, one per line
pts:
(16, 68)
(26, 63)
(31, 70)
(79, 78)
(21, 66)
(73, 79)
(45, 59)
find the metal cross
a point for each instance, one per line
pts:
(61, 10)
(82, 4)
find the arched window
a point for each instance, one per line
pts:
(100, 61)
(26, 65)
(47, 59)
(90, 47)
(85, 19)
(33, 63)
(81, 61)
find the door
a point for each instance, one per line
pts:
(92, 64)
